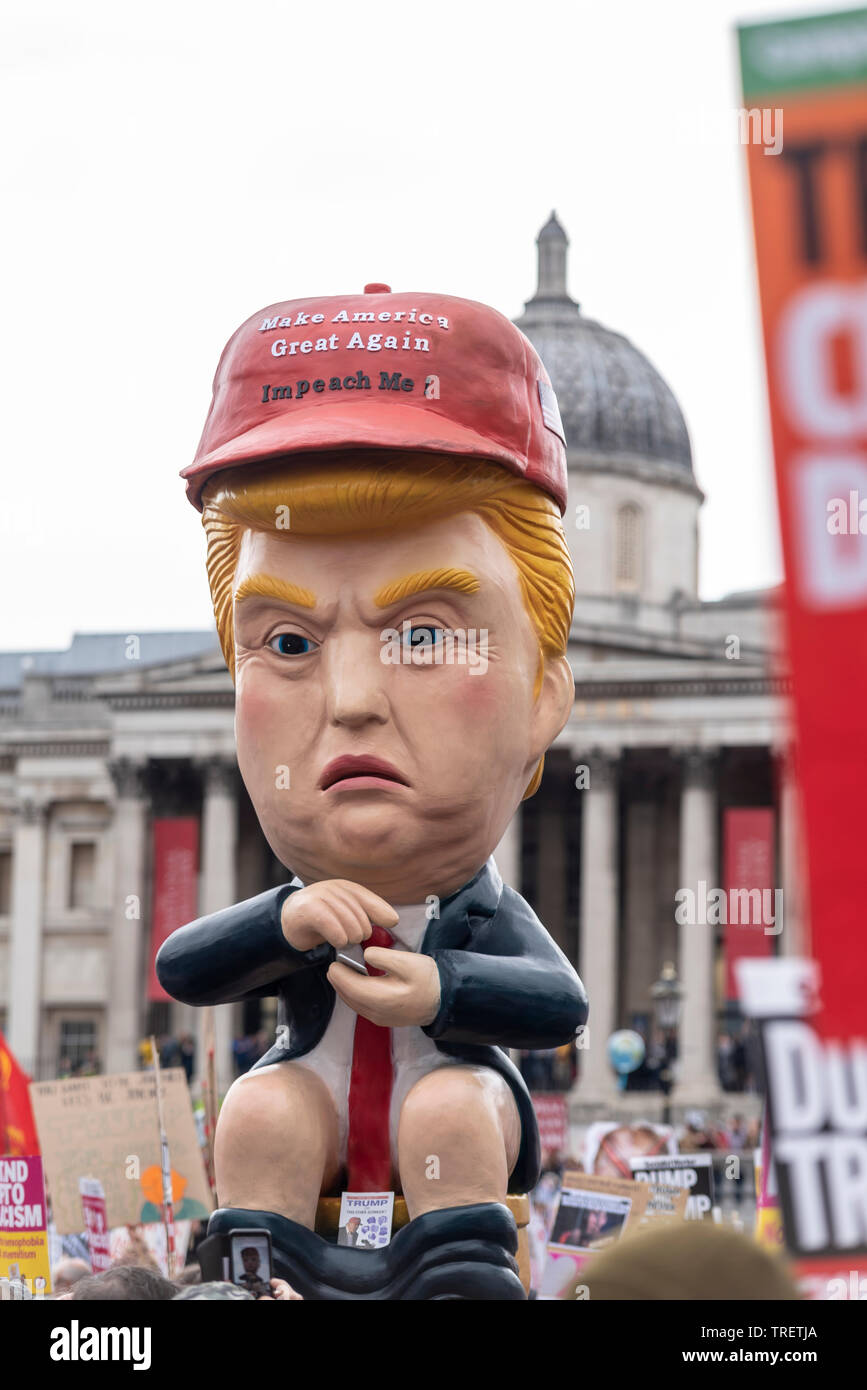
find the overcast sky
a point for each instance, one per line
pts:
(170, 168)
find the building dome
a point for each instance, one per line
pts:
(614, 404)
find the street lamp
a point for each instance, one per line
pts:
(667, 996)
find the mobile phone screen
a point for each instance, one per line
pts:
(250, 1261)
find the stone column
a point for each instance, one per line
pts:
(508, 853)
(792, 869)
(696, 1073)
(640, 953)
(218, 889)
(127, 950)
(25, 956)
(599, 921)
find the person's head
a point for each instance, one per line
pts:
(695, 1260)
(216, 1289)
(594, 1221)
(251, 1259)
(131, 1283)
(353, 1223)
(318, 623)
(68, 1272)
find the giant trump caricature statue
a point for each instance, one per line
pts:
(381, 478)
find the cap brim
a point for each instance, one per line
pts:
(376, 425)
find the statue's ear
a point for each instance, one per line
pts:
(553, 705)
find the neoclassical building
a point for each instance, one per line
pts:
(120, 802)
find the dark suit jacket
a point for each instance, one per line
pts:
(504, 983)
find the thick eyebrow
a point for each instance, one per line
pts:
(463, 580)
(267, 586)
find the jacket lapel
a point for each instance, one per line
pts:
(478, 898)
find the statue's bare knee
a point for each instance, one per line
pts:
(459, 1138)
(276, 1142)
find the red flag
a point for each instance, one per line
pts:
(17, 1128)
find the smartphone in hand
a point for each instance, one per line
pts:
(249, 1259)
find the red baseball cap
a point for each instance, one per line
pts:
(426, 372)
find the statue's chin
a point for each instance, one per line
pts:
(345, 844)
(404, 863)
(367, 830)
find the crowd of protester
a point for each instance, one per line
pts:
(556, 1069)
(136, 1277)
(181, 1051)
(147, 1284)
(695, 1260)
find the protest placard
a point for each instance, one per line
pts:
(610, 1144)
(23, 1222)
(694, 1172)
(666, 1202)
(106, 1127)
(815, 1116)
(139, 1244)
(553, 1119)
(593, 1212)
(95, 1223)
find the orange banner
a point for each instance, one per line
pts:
(810, 218)
(809, 198)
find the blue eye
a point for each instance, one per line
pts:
(423, 635)
(292, 644)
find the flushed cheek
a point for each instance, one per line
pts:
(482, 698)
(252, 708)
(487, 703)
(476, 736)
(254, 696)
(266, 736)
(255, 723)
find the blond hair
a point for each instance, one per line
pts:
(327, 496)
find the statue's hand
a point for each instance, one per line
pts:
(336, 911)
(407, 994)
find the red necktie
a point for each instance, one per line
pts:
(368, 1149)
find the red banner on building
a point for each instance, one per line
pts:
(753, 909)
(175, 885)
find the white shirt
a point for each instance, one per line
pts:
(413, 1053)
